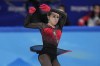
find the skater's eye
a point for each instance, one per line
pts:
(55, 16)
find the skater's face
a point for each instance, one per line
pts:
(53, 18)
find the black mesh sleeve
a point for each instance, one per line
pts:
(29, 24)
(62, 19)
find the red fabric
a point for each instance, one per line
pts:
(32, 10)
(49, 37)
(58, 33)
(45, 8)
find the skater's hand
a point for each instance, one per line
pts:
(45, 8)
(31, 10)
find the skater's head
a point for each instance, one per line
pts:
(53, 18)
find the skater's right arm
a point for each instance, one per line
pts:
(28, 20)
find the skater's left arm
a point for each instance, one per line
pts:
(62, 19)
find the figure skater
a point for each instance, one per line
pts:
(51, 33)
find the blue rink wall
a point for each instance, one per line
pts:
(83, 41)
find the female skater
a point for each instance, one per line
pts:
(51, 33)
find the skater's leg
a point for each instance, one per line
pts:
(55, 62)
(44, 60)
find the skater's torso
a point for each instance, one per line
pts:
(50, 35)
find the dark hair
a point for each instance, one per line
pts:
(49, 13)
(54, 10)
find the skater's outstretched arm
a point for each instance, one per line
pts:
(28, 20)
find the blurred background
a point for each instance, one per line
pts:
(81, 33)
